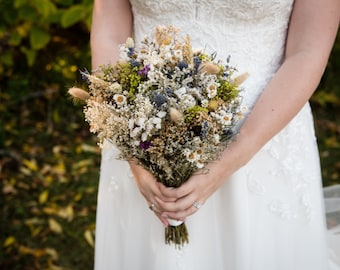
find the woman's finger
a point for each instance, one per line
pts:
(172, 194)
(182, 214)
(158, 213)
(178, 205)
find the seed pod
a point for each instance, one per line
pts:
(240, 79)
(78, 94)
(209, 68)
(175, 115)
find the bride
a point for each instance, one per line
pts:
(260, 207)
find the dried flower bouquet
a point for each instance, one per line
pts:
(170, 108)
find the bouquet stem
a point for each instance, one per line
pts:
(177, 235)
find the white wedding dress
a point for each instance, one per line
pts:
(270, 214)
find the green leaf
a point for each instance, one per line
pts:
(88, 21)
(55, 17)
(28, 14)
(6, 58)
(39, 38)
(15, 39)
(30, 55)
(44, 7)
(65, 2)
(19, 3)
(73, 15)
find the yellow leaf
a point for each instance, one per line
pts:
(25, 171)
(31, 251)
(10, 240)
(83, 163)
(36, 231)
(33, 221)
(78, 197)
(60, 168)
(50, 210)
(66, 213)
(43, 197)
(53, 253)
(89, 238)
(31, 165)
(55, 226)
(9, 189)
(49, 179)
(90, 148)
(51, 266)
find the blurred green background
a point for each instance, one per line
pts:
(48, 159)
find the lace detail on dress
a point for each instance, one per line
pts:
(290, 168)
(284, 210)
(113, 185)
(255, 186)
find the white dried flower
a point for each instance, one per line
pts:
(179, 55)
(120, 99)
(115, 88)
(187, 101)
(212, 89)
(204, 103)
(180, 92)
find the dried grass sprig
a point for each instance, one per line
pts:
(78, 94)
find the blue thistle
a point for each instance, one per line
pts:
(227, 134)
(134, 63)
(205, 129)
(130, 52)
(182, 65)
(168, 90)
(84, 76)
(159, 99)
(197, 62)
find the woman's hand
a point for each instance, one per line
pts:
(150, 189)
(179, 203)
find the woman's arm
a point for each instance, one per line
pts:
(312, 30)
(111, 26)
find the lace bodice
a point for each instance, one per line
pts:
(252, 32)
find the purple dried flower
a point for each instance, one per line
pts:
(145, 145)
(144, 70)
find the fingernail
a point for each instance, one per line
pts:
(165, 224)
